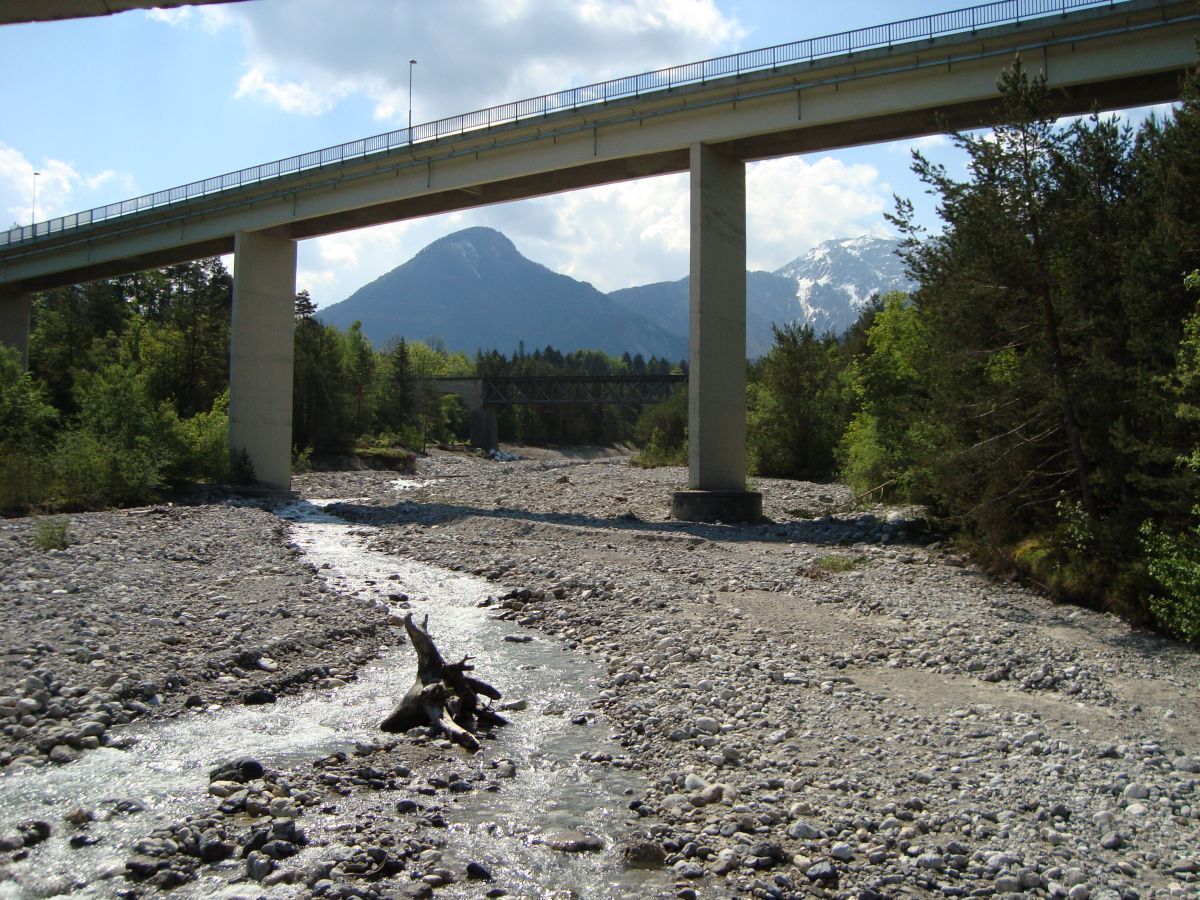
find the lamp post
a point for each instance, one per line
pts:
(33, 210)
(411, 63)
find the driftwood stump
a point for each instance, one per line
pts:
(442, 694)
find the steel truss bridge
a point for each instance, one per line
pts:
(561, 390)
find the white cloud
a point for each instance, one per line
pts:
(793, 204)
(470, 54)
(290, 96)
(55, 183)
(210, 19)
(923, 144)
(61, 187)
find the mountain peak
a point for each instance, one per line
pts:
(472, 248)
(834, 279)
(475, 291)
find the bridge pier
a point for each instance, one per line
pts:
(717, 334)
(14, 322)
(261, 352)
(485, 432)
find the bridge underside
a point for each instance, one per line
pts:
(1162, 87)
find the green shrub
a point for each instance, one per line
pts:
(52, 533)
(241, 467)
(864, 459)
(301, 460)
(25, 480)
(91, 472)
(660, 451)
(205, 437)
(1173, 561)
(27, 422)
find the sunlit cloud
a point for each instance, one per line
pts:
(793, 204)
(209, 19)
(291, 97)
(307, 55)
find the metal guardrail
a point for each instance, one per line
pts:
(956, 21)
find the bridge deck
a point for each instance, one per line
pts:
(889, 82)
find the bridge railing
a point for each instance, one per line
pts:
(846, 42)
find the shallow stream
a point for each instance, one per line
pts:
(165, 765)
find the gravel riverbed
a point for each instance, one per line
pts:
(829, 704)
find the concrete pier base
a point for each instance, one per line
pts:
(14, 323)
(716, 506)
(261, 352)
(717, 334)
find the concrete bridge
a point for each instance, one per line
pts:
(889, 82)
(482, 396)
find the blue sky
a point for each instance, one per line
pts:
(113, 107)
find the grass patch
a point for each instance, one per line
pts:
(656, 458)
(396, 459)
(52, 533)
(835, 562)
(829, 564)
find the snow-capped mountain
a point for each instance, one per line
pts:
(834, 279)
(474, 290)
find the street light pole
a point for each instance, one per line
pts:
(411, 63)
(33, 210)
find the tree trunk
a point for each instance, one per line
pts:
(442, 694)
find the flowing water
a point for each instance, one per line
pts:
(164, 765)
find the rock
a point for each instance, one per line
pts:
(843, 851)
(258, 697)
(803, 831)
(1112, 840)
(141, 867)
(643, 854)
(213, 847)
(1189, 764)
(79, 816)
(707, 724)
(240, 770)
(283, 808)
(727, 861)
(10, 842)
(572, 842)
(258, 865)
(685, 868)
(1135, 791)
(478, 872)
(223, 788)
(62, 754)
(33, 832)
(823, 871)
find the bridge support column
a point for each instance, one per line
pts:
(14, 323)
(261, 351)
(485, 432)
(717, 334)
